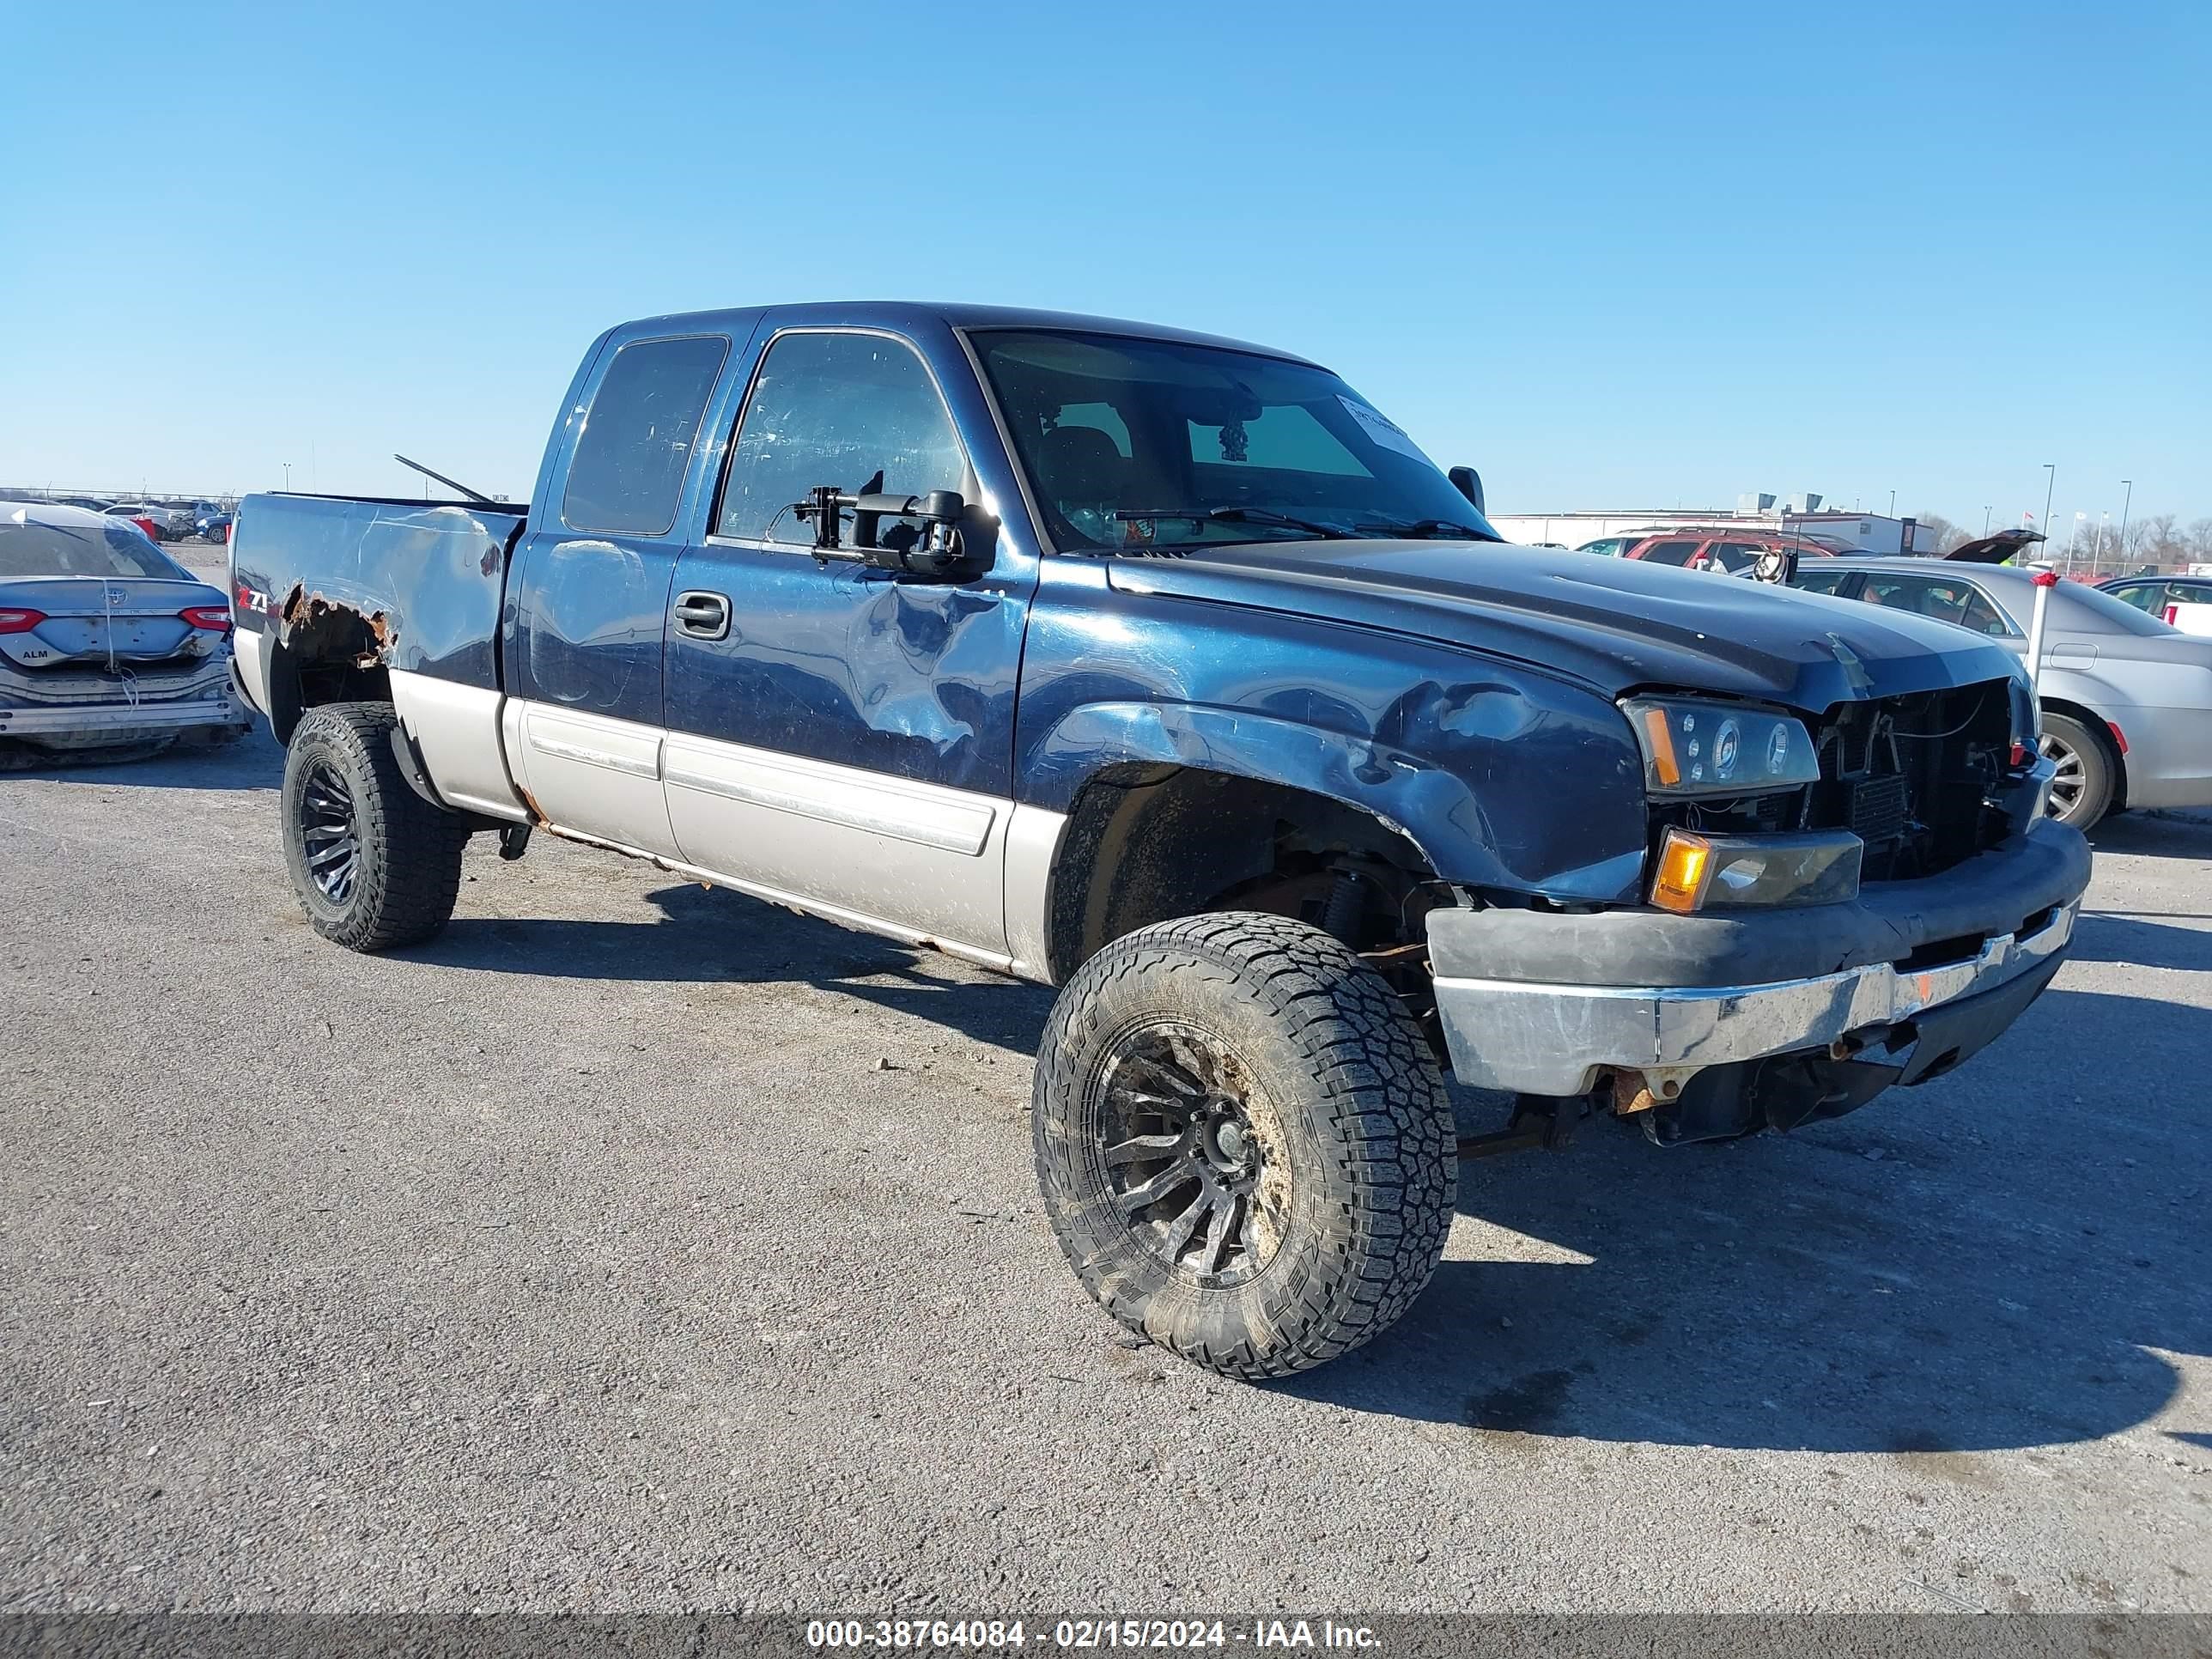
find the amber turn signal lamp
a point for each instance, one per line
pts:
(1685, 866)
(1662, 747)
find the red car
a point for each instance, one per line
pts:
(1734, 551)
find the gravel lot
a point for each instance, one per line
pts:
(584, 1258)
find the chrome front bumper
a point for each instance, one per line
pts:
(1553, 1039)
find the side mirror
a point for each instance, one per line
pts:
(1468, 482)
(937, 550)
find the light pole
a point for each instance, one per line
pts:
(1892, 503)
(2049, 484)
(2129, 502)
(1985, 520)
(288, 476)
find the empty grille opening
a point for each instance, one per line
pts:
(1909, 776)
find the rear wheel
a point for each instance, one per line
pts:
(1245, 1148)
(374, 865)
(2083, 789)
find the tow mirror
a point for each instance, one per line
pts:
(929, 540)
(1468, 482)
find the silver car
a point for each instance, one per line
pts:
(109, 649)
(2127, 701)
(174, 523)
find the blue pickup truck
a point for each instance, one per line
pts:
(1168, 671)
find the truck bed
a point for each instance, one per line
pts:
(423, 578)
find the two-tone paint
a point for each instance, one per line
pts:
(902, 753)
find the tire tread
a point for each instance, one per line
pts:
(410, 874)
(1390, 1134)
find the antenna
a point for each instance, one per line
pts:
(449, 483)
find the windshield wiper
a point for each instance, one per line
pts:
(1266, 515)
(1422, 529)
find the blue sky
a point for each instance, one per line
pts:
(1612, 254)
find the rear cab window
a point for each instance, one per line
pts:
(626, 474)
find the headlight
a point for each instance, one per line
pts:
(1719, 748)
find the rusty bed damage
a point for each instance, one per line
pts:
(320, 630)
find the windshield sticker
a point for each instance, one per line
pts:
(1379, 427)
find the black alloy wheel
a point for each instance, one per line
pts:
(329, 832)
(1194, 1153)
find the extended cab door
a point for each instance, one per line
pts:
(584, 664)
(837, 732)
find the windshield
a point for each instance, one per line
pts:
(1132, 443)
(29, 548)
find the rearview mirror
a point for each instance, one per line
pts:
(1468, 482)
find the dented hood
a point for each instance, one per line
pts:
(1618, 625)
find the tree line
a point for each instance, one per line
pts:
(2159, 540)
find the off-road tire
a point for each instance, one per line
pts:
(410, 852)
(2086, 755)
(1359, 1114)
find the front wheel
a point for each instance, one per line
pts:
(374, 865)
(2081, 790)
(1245, 1148)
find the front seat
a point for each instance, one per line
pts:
(1086, 476)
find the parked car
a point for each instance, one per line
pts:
(149, 527)
(1734, 552)
(108, 648)
(1169, 670)
(214, 527)
(2126, 700)
(163, 523)
(1609, 547)
(2156, 596)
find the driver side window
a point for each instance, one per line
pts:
(834, 409)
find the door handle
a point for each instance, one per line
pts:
(704, 616)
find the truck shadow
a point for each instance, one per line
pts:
(715, 936)
(1986, 1262)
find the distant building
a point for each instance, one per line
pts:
(1871, 532)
